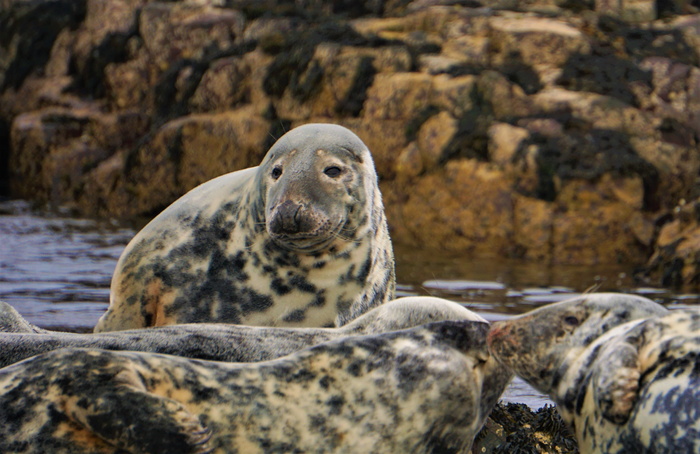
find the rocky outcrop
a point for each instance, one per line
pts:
(562, 132)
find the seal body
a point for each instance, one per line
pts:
(624, 371)
(20, 339)
(300, 240)
(426, 389)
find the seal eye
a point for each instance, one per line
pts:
(571, 320)
(332, 171)
(276, 172)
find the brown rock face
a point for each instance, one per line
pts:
(552, 132)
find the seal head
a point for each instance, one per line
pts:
(538, 345)
(314, 190)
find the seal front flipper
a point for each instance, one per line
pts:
(137, 421)
(616, 382)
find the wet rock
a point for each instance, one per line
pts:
(514, 428)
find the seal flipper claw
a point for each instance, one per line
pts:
(141, 422)
(616, 385)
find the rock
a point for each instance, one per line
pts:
(434, 138)
(535, 41)
(591, 228)
(105, 192)
(465, 206)
(515, 428)
(398, 96)
(676, 94)
(533, 229)
(53, 149)
(23, 51)
(348, 74)
(225, 85)
(601, 112)
(385, 138)
(190, 150)
(676, 258)
(628, 10)
(173, 31)
(540, 129)
(504, 142)
(456, 95)
(505, 99)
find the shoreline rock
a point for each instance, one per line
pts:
(549, 131)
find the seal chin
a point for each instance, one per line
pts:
(305, 244)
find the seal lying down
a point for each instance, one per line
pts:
(423, 390)
(623, 370)
(19, 339)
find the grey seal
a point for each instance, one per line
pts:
(300, 240)
(623, 370)
(427, 389)
(19, 339)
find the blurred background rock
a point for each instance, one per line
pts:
(563, 132)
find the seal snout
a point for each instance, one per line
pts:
(500, 339)
(290, 218)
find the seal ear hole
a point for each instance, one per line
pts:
(276, 172)
(333, 171)
(571, 320)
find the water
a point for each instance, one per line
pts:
(56, 270)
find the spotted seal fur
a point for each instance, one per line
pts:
(19, 339)
(623, 370)
(427, 389)
(300, 240)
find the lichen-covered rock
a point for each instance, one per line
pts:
(676, 257)
(466, 205)
(564, 132)
(535, 41)
(188, 151)
(53, 149)
(628, 10)
(174, 31)
(591, 226)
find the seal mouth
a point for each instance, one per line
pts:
(309, 242)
